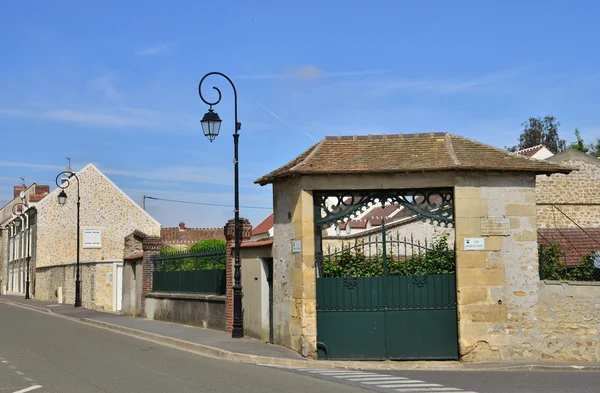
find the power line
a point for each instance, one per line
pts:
(205, 204)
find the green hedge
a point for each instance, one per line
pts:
(439, 259)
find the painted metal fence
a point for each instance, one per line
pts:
(190, 272)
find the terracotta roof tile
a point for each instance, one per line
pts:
(530, 151)
(264, 226)
(258, 243)
(574, 242)
(437, 151)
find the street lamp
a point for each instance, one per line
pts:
(19, 213)
(62, 199)
(211, 124)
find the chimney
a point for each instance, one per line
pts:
(182, 226)
(42, 189)
(18, 189)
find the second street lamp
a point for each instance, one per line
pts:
(18, 210)
(211, 124)
(62, 199)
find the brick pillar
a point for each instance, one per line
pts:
(245, 234)
(150, 246)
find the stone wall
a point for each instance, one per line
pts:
(497, 287)
(568, 322)
(577, 194)
(96, 287)
(207, 311)
(103, 206)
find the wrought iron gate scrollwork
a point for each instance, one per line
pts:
(434, 205)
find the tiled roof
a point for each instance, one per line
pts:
(258, 243)
(264, 226)
(189, 236)
(436, 151)
(574, 242)
(530, 151)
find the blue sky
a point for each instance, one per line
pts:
(115, 83)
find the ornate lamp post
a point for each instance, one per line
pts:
(211, 124)
(62, 199)
(18, 210)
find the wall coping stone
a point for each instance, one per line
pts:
(187, 296)
(576, 283)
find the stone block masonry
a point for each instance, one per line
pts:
(568, 323)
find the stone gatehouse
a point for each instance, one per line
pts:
(503, 312)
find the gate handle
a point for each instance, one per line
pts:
(324, 348)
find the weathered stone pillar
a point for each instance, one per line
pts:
(150, 246)
(245, 234)
(497, 285)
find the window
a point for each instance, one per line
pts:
(92, 238)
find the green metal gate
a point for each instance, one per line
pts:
(382, 295)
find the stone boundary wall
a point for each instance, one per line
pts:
(568, 322)
(50, 278)
(207, 311)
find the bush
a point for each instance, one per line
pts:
(440, 259)
(553, 267)
(204, 255)
(208, 245)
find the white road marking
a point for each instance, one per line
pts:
(383, 381)
(432, 390)
(29, 389)
(380, 378)
(391, 380)
(20, 372)
(409, 385)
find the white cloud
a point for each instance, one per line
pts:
(499, 79)
(157, 49)
(108, 117)
(103, 84)
(309, 72)
(187, 174)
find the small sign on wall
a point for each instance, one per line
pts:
(474, 243)
(296, 246)
(92, 238)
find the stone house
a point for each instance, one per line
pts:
(502, 310)
(107, 216)
(568, 205)
(16, 236)
(184, 237)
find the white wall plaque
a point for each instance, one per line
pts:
(296, 246)
(474, 243)
(92, 238)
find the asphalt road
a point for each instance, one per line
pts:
(41, 353)
(66, 357)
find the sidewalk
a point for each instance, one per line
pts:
(219, 344)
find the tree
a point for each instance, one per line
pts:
(592, 148)
(537, 131)
(579, 145)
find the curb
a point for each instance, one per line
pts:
(217, 353)
(23, 305)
